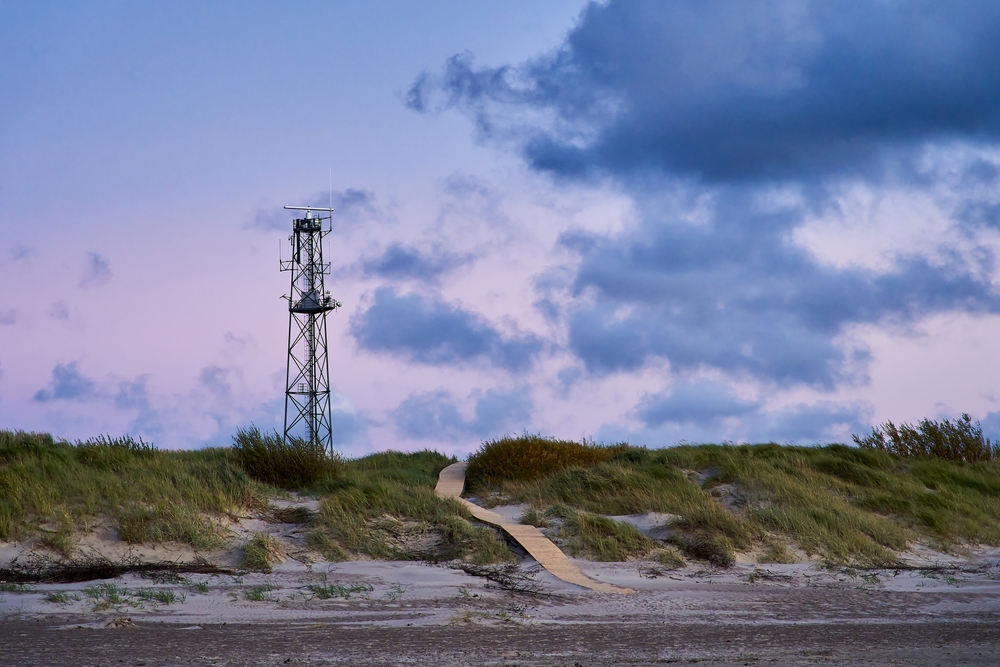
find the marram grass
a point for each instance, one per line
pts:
(52, 489)
(843, 504)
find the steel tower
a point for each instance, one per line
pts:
(307, 375)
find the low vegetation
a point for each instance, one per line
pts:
(290, 464)
(529, 457)
(384, 506)
(53, 490)
(841, 503)
(598, 537)
(937, 483)
(379, 506)
(960, 440)
(260, 552)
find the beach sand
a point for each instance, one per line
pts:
(394, 613)
(942, 609)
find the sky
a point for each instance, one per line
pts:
(695, 221)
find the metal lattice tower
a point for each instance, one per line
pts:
(307, 376)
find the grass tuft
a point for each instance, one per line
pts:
(532, 517)
(159, 595)
(290, 464)
(60, 539)
(529, 457)
(960, 440)
(668, 557)
(260, 593)
(166, 522)
(777, 552)
(113, 454)
(261, 552)
(327, 591)
(599, 537)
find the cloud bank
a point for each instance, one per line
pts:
(733, 125)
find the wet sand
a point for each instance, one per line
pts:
(936, 643)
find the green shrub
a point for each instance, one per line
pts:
(960, 440)
(290, 464)
(530, 457)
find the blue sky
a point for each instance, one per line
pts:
(649, 221)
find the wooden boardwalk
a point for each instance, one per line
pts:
(451, 483)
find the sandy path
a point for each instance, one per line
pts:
(451, 483)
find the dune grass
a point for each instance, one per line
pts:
(290, 464)
(384, 506)
(529, 457)
(961, 440)
(379, 506)
(857, 505)
(260, 552)
(598, 537)
(51, 489)
(844, 504)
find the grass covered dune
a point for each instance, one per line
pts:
(849, 505)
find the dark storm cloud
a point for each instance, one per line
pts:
(433, 332)
(727, 102)
(68, 383)
(701, 402)
(400, 262)
(694, 412)
(729, 90)
(427, 415)
(348, 428)
(736, 294)
(810, 423)
(97, 272)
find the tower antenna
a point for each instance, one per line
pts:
(307, 374)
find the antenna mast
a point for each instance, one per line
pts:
(307, 375)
